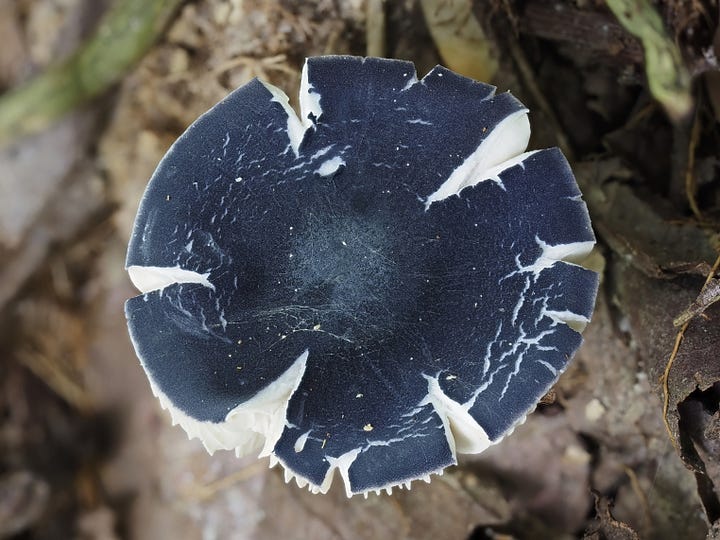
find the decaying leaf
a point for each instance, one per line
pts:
(650, 306)
(462, 42)
(656, 244)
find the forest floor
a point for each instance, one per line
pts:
(628, 446)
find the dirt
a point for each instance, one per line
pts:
(628, 447)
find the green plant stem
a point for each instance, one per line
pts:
(124, 34)
(668, 78)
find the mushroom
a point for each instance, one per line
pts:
(370, 288)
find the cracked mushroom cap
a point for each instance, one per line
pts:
(371, 287)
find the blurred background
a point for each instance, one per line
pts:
(92, 94)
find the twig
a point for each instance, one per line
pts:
(198, 493)
(705, 299)
(690, 185)
(638, 490)
(528, 77)
(375, 27)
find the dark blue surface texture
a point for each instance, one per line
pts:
(354, 269)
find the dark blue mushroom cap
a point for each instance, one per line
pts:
(372, 287)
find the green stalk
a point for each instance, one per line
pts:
(668, 78)
(125, 33)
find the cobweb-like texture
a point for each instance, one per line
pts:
(372, 287)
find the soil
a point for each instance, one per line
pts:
(628, 446)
